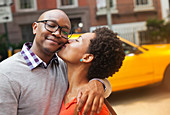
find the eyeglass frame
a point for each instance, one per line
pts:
(59, 27)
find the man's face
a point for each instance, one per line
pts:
(75, 50)
(47, 41)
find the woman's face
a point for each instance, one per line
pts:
(74, 51)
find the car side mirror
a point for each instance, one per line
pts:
(137, 51)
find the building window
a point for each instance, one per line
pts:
(112, 3)
(169, 9)
(67, 3)
(26, 5)
(76, 25)
(27, 34)
(141, 2)
(101, 7)
(143, 5)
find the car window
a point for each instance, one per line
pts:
(128, 49)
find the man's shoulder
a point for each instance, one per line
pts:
(12, 62)
(13, 58)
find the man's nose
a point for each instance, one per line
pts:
(71, 40)
(57, 33)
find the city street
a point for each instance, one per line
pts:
(150, 100)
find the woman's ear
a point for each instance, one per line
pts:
(87, 58)
(34, 27)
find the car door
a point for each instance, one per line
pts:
(137, 70)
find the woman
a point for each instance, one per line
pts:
(98, 54)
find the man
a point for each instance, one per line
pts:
(34, 81)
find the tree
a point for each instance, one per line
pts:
(3, 47)
(166, 32)
(158, 31)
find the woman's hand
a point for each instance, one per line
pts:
(91, 96)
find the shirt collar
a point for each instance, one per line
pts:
(32, 59)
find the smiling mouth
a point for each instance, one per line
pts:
(54, 40)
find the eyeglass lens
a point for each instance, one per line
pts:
(53, 27)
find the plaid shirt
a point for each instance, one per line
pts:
(32, 59)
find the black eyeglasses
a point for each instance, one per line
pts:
(52, 26)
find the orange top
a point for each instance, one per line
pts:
(68, 109)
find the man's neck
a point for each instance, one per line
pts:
(43, 55)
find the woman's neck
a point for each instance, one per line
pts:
(77, 77)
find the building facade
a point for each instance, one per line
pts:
(165, 9)
(128, 17)
(25, 12)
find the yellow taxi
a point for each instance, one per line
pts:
(143, 65)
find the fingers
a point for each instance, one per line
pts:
(79, 97)
(94, 105)
(92, 98)
(88, 106)
(81, 102)
(100, 105)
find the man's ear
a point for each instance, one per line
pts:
(87, 58)
(34, 27)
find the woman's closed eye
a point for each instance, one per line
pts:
(76, 40)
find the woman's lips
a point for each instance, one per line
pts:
(64, 46)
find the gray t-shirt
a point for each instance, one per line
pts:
(31, 92)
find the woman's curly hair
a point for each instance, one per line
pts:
(108, 54)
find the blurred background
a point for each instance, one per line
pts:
(141, 22)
